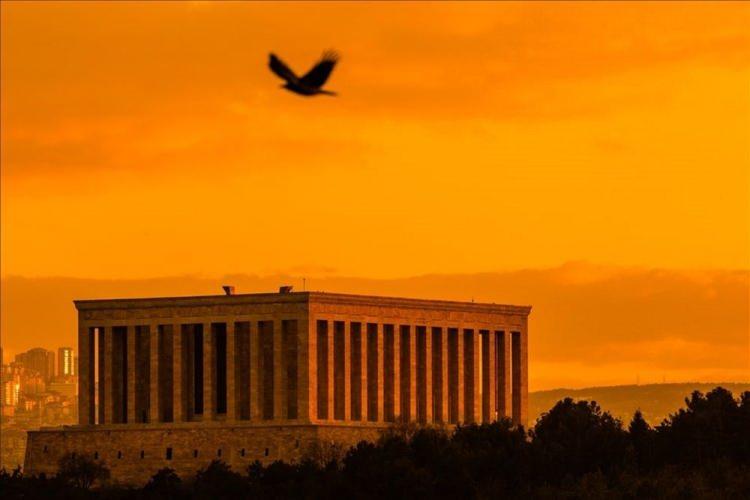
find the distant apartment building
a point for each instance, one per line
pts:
(11, 388)
(65, 362)
(28, 401)
(39, 360)
(65, 388)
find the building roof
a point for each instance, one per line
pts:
(297, 297)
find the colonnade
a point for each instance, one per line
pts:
(324, 370)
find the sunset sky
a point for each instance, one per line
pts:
(150, 140)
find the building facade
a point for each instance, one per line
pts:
(177, 382)
(65, 362)
(39, 360)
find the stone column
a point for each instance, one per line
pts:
(413, 373)
(461, 415)
(154, 411)
(179, 403)
(99, 332)
(330, 362)
(428, 374)
(504, 387)
(524, 362)
(131, 376)
(444, 397)
(477, 373)
(86, 375)
(308, 365)
(209, 375)
(519, 375)
(256, 380)
(491, 375)
(363, 369)
(347, 371)
(108, 379)
(279, 372)
(396, 373)
(231, 372)
(381, 372)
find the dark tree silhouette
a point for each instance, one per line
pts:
(642, 438)
(164, 484)
(710, 427)
(81, 472)
(575, 438)
(218, 480)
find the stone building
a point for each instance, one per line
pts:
(177, 382)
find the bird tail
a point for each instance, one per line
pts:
(329, 92)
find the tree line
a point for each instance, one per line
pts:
(575, 450)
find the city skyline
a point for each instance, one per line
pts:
(33, 394)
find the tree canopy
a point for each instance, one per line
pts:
(575, 450)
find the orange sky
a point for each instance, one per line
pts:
(144, 140)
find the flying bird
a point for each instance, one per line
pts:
(310, 84)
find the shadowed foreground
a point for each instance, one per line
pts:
(575, 450)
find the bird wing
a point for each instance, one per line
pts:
(281, 69)
(318, 75)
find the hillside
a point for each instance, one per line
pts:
(656, 401)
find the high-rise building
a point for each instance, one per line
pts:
(50, 366)
(65, 361)
(39, 360)
(11, 388)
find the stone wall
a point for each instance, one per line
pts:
(134, 453)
